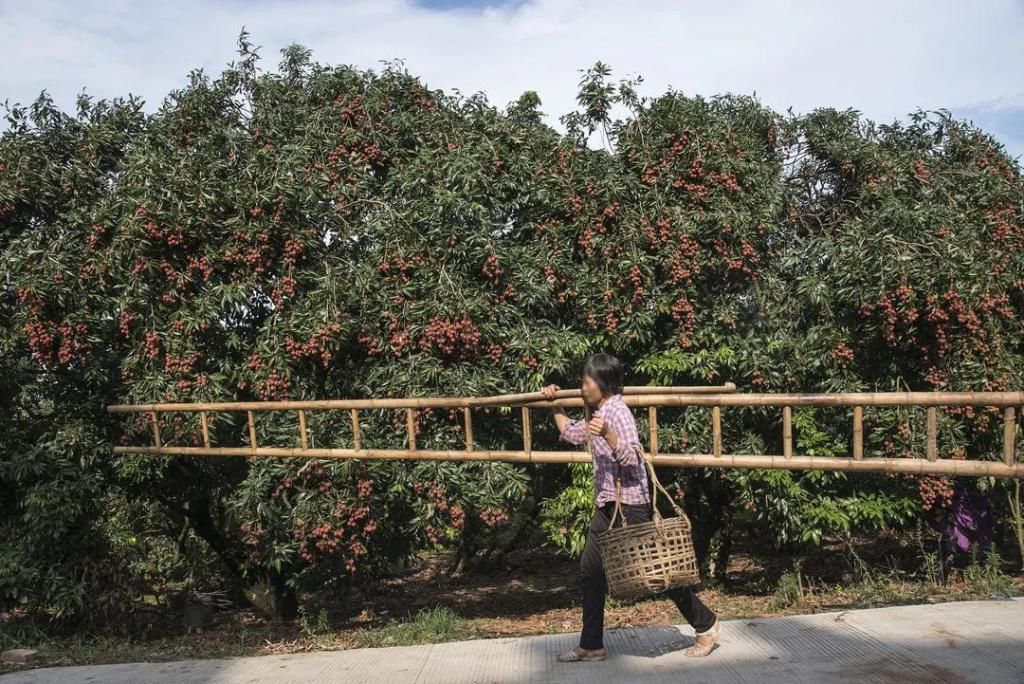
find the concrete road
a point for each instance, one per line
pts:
(953, 643)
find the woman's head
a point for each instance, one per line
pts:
(602, 376)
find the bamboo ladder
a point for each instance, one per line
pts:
(716, 398)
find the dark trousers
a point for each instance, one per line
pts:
(595, 586)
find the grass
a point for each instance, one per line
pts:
(430, 626)
(866, 586)
(986, 574)
(789, 592)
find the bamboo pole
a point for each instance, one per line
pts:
(630, 390)
(302, 429)
(716, 429)
(410, 424)
(415, 402)
(206, 429)
(932, 447)
(156, 429)
(356, 437)
(252, 433)
(1009, 435)
(527, 444)
(664, 398)
(652, 423)
(839, 399)
(787, 431)
(469, 428)
(858, 432)
(919, 466)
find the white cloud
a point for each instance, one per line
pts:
(884, 58)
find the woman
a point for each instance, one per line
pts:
(615, 445)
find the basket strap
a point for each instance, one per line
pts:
(657, 486)
(617, 513)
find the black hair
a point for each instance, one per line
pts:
(607, 371)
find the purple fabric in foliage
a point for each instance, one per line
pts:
(967, 521)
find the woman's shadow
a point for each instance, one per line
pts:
(649, 642)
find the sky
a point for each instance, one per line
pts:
(884, 58)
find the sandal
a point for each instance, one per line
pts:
(575, 656)
(699, 650)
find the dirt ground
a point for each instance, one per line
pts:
(536, 592)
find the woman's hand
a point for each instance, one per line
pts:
(599, 428)
(561, 418)
(549, 391)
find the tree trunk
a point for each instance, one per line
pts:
(286, 602)
(707, 499)
(496, 553)
(722, 548)
(467, 544)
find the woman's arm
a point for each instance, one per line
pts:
(619, 430)
(569, 430)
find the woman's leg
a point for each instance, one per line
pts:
(595, 587)
(698, 615)
(693, 609)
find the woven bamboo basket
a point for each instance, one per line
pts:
(650, 557)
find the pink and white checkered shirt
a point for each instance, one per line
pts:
(632, 471)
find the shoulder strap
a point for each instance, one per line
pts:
(617, 513)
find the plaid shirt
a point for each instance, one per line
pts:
(632, 471)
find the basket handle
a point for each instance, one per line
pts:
(656, 517)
